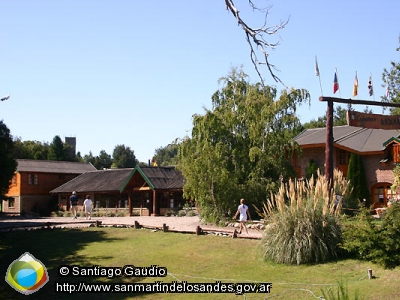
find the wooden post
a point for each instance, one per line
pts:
(234, 235)
(164, 227)
(370, 274)
(198, 230)
(329, 143)
(137, 225)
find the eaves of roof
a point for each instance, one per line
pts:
(140, 171)
(355, 139)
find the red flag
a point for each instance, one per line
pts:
(335, 83)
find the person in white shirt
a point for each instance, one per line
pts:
(244, 214)
(87, 206)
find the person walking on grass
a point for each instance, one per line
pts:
(244, 214)
(74, 204)
(87, 206)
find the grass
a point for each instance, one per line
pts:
(187, 257)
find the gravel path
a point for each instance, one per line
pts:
(187, 224)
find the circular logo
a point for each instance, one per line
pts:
(27, 274)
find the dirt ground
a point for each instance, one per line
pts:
(187, 224)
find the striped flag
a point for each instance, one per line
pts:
(355, 87)
(335, 83)
(316, 67)
(370, 87)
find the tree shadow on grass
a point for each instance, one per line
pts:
(54, 248)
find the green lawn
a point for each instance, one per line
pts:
(187, 257)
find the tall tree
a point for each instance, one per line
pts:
(123, 157)
(102, 161)
(240, 147)
(8, 163)
(357, 178)
(56, 149)
(167, 156)
(391, 79)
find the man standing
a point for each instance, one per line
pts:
(243, 210)
(74, 204)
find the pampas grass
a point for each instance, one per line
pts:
(303, 221)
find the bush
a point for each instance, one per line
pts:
(191, 213)
(372, 240)
(303, 221)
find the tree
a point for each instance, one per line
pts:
(391, 79)
(239, 147)
(167, 156)
(57, 149)
(339, 118)
(123, 157)
(357, 178)
(30, 149)
(89, 158)
(8, 163)
(102, 161)
(257, 37)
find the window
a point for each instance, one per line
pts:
(11, 203)
(343, 157)
(32, 179)
(381, 192)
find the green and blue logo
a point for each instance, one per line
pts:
(27, 274)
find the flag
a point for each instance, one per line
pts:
(335, 83)
(370, 87)
(316, 67)
(355, 87)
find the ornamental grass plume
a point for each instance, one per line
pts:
(303, 221)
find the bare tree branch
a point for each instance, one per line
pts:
(256, 38)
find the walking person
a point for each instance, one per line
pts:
(87, 206)
(244, 214)
(74, 204)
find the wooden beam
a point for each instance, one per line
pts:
(360, 102)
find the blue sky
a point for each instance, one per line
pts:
(134, 72)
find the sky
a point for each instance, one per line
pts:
(134, 73)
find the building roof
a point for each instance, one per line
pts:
(116, 180)
(162, 177)
(53, 166)
(357, 139)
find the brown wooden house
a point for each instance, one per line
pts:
(378, 149)
(33, 180)
(150, 190)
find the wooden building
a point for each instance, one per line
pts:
(150, 190)
(34, 179)
(378, 149)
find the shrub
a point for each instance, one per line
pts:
(191, 213)
(372, 240)
(304, 221)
